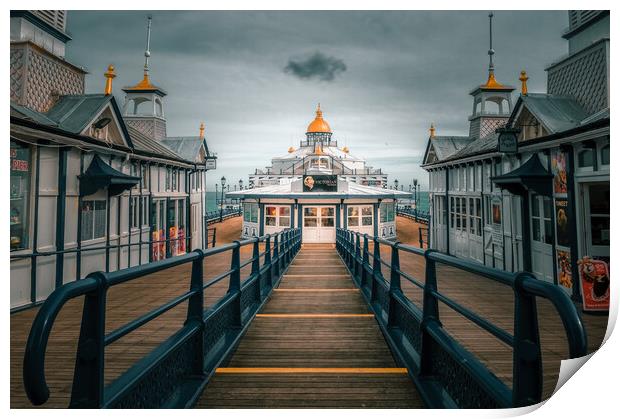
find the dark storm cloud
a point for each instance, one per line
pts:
(316, 66)
(404, 70)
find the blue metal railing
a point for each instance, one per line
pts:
(217, 216)
(175, 372)
(446, 374)
(416, 215)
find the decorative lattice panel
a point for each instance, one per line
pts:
(47, 79)
(489, 125)
(17, 73)
(582, 77)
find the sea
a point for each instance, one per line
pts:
(423, 203)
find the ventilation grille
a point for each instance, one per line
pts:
(577, 18)
(55, 18)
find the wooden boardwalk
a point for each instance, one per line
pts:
(314, 344)
(129, 300)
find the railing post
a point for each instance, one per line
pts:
(256, 269)
(357, 264)
(350, 248)
(527, 359)
(394, 284)
(214, 231)
(420, 239)
(376, 267)
(88, 375)
(268, 263)
(430, 313)
(195, 310)
(276, 259)
(365, 263)
(234, 286)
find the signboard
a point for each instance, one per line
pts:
(558, 168)
(507, 140)
(210, 164)
(561, 221)
(320, 183)
(594, 280)
(565, 274)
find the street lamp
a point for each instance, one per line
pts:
(396, 184)
(223, 182)
(415, 199)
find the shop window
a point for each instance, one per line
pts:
(145, 177)
(452, 212)
(250, 213)
(359, 215)
(475, 217)
(599, 214)
(93, 219)
(20, 195)
(585, 158)
(542, 227)
(278, 216)
(310, 217)
(145, 209)
(327, 217)
(386, 210)
(605, 155)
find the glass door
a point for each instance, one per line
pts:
(541, 233)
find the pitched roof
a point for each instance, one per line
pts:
(186, 147)
(555, 113)
(31, 115)
(73, 113)
(446, 146)
(144, 143)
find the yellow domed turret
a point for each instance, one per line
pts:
(319, 124)
(345, 149)
(291, 149)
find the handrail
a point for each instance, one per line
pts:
(88, 383)
(427, 339)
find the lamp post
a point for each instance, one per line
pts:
(223, 182)
(396, 184)
(415, 199)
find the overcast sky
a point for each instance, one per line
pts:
(255, 77)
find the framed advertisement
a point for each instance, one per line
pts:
(594, 282)
(561, 222)
(565, 274)
(558, 168)
(496, 219)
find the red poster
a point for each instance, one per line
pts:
(565, 275)
(174, 244)
(182, 248)
(594, 279)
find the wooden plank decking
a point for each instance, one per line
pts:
(314, 344)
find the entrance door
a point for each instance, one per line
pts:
(541, 229)
(319, 224)
(596, 220)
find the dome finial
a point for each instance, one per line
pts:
(523, 79)
(319, 124)
(432, 130)
(202, 131)
(109, 75)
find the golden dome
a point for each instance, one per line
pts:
(319, 124)
(291, 149)
(345, 149)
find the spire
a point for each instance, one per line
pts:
(109, 75)
(202, 131)
(145, 84)
(319, 112)
(523, 79)
(432, 130)
(491, 82)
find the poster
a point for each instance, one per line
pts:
(496, 217)
(594, 280)
(558, 167)
(174, 244)
(159, 249)
(561, 221)
(320, 183)
(182, 242)
(565, 274)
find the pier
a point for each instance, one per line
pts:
(316, 335)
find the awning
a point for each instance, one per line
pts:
(100, 175)
(530, 176)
